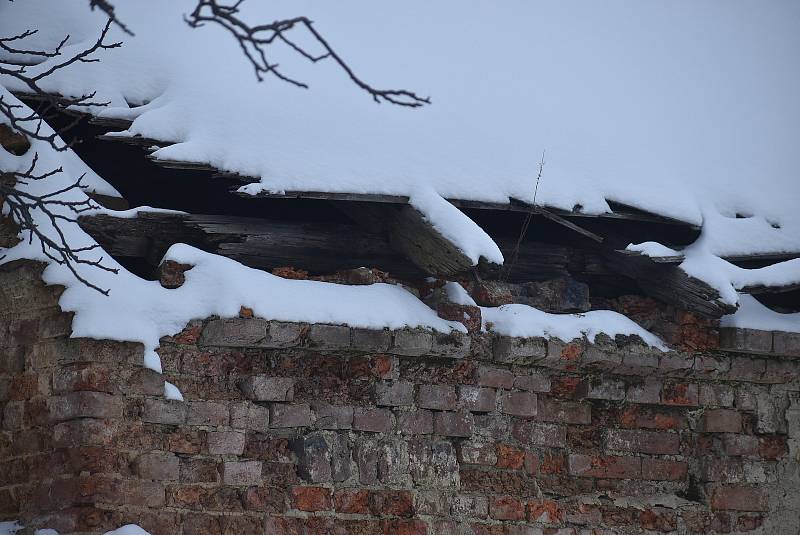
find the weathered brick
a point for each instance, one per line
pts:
(604, 466)
(412, 342)
(781, 371)
(311, 499)
(772, 447)
(746, 369)
(533, 382)
(437, 397)
(281, 334)
(332, 416)
(264, 499)
(238, 473)
(91, 378)
(509, 457)
(745, 340)
(454, 345)
(662, 470)
(646, 391)
(328, 337)
(416, 422)
(454, 424)
(495, 377)
(738, 498)
(601, 388)
(786, 343)
(477, 399)
(637, 363)
(235, 332)
(290, 415)
(207, 413)
(672, 363)
(470, 507)
(198, 470)
(720, 421)
(716, 395)
(680, 394)
(739, 445)
(651, 442)
(157, 466)
(518, 404)
(246, 415)
(395, 394)
(471, 452)
(371, 339)
(372, 420)
(83, 432)
(506, 508)
(595, 358)
(508, 349)
(264, 388)
(225, 442)
(352, 501)
(540, 434)
(84, 405)
(391, 503)
(567, 412)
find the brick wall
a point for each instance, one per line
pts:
(297, 429)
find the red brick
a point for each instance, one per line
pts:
(736, 445)
(506, 508)
(509, 457)
(23, 387)
(663, 521)
(553, 463)
(405, 527)
(545, 511)
(564, 412)
(311, 498)
(521, 404)
(265, 499)
(648, 418)
(495, 377)
(680, 394)
(772, 447)
(186, 441)
(437, 397)
(565, 387)
(468, 315)
(352, 501)
(372, 420)
(747, 523)
(720, 421)
(453, 424)
(738, 498)
(661, 470)
(391, 503)
(605, 466)
(652, 442)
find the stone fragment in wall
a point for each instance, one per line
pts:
(555, 295)
(433, 464)
(171, 274)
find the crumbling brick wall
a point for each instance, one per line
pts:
(311, 429)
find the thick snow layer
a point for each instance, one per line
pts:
(641, 103)
(523, 320)
(9, 528)
(754, 315)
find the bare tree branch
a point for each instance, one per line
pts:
(255, 41)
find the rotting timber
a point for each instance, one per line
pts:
(322, 232)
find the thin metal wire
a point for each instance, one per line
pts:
(525, 224)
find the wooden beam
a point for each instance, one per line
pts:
(670, 284)
(316, 247)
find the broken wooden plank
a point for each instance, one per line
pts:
(764, 289)
(414, 236)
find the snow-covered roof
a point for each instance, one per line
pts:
(648, 105)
